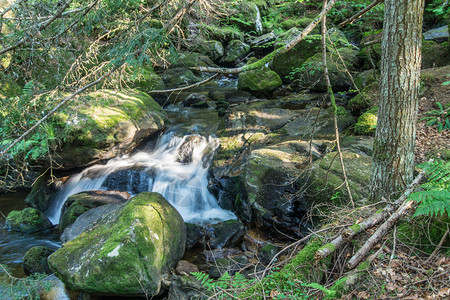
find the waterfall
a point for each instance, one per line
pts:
(258, 23)
(177, 169)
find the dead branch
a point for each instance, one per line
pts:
(361, 13)
(376, 41)
(40, 27)
(333, 102)
(438, 247)
(184, 87)
(274, 53)
(407, 206)
(60, 104)
(373, 220)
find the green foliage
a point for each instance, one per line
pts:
(438, 117)
(24, 288)
(434, 200)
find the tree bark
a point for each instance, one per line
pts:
(393, 158)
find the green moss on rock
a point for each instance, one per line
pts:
(27, 220)
(35, 260)
(126, 253)
(367, 122)
(259, 82)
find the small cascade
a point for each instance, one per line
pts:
(177, 169)
(258, 22)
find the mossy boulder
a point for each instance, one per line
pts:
(259, 82)
(367, 99)
(213, 49)
(222, 34)
(287, 63)
(145, 79)
(127, 253)
(235, 50)
(312, 77)
(367, 122)
(434, 55)
(319, 121)
(78, 204)
(367, 77)
(42, 193)
(327, 175)
(247, 17)
(179, 76)
(105, 123)
(35, 260)
(294, 22)
(27, 220)
(370, 56)
(271, 177)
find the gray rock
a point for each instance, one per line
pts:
(440, 34)
(231, 265)
(186, 288)
(193, 99)
(86, 221)
(235, 50)
(225, 234)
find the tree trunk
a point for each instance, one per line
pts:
(393, 157)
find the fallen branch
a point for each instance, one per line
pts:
(373, 220)
(360, 13)
(274, 53)
(407, 206)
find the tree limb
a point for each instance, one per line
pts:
(361, 13)
(274, 53)
(373, 220)
(184, 87)
(77, 92)
(40, 27)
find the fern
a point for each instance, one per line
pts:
(434, 200)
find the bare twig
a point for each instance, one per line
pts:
(438, 247)
(360, 13)
(333, 102)
(184, 87)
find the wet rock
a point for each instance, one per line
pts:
(185, 268)
(438, 34)
(128, 253)
(259, 82)
(186, 288)
(234, 51)
(132, 181)
(42, 193)
(212, 49)
(78, 204)
(86, 221)
(28, 220)
(186, 148)
(211, 256)
(195, 100)
(194, 236)
(225, 234)
(267, 253)
(231, 265)
(263, 39)
(179, 76)
(35, 260)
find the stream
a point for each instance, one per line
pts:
(175, 166)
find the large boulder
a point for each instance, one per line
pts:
(213, 49)
(440, 34)
(288, 63)
(128, 252)
(259, 82)
(43, 191)
(311, 74)
(327, 175)
(103, 124)
(235, 50)
(27, 220)
(175, 77)
(35, 260)
(78, 204)
(434, 55)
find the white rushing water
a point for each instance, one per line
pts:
(177, 169)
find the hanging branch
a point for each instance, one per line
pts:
(274, 53)
(60, 104)
(171, 24)
(360, 13)
(40, 27)
(373, 220)
(333, 103)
